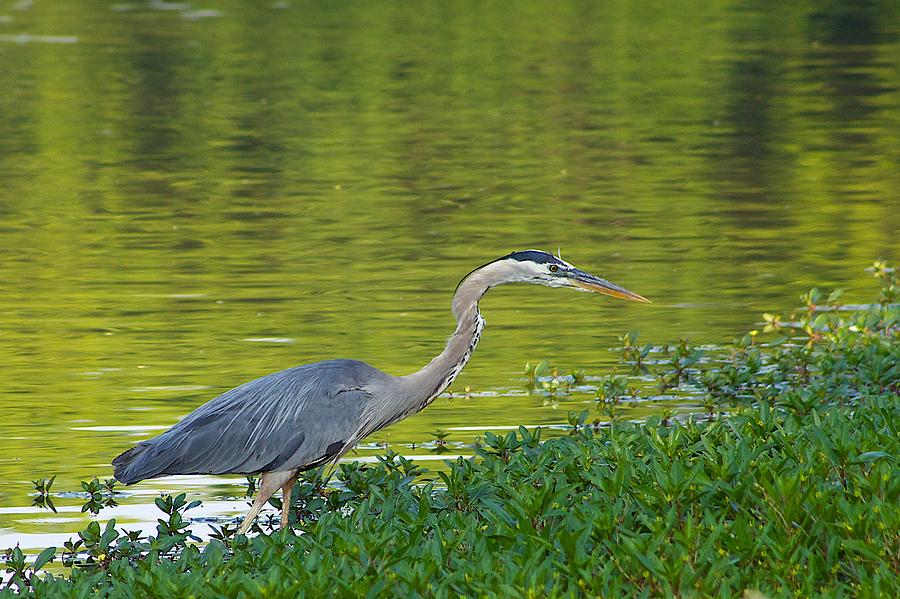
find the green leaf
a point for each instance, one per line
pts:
(43, 558)
(871, 456)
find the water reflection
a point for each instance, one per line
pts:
(193, 197)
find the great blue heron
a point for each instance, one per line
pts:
(307, 416)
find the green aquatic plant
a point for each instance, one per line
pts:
(610, 392)
(764, 500)
(612, 388)
(440, 441)
(556, 385)
(100, 495)
(578, 377)
(890, 290)
(634, 355)
(534, 372)
(251, 486)
(550, 382)
(683, 360)
(21, 573)
(43, 498)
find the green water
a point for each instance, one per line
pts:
(193, 195)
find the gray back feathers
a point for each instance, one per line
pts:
(298, 417)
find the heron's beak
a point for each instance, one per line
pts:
(588, 282)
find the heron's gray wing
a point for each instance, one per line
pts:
(296, 418)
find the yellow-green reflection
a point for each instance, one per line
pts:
(190, 200)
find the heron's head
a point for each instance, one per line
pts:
(541, 268)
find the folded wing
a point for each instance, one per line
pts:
(294, 419)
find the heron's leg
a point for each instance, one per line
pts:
(269, 482)
(286, 489)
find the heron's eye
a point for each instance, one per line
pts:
(553, 268)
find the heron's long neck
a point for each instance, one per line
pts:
(426, 384)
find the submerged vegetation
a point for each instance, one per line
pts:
(786, 484)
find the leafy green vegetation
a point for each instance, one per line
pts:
(787, 484)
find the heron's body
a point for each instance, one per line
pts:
(269, 424)
(307, 416)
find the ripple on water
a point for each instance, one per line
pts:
(203, 13)
(27, 38)
(120, 428)
(157, 388)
